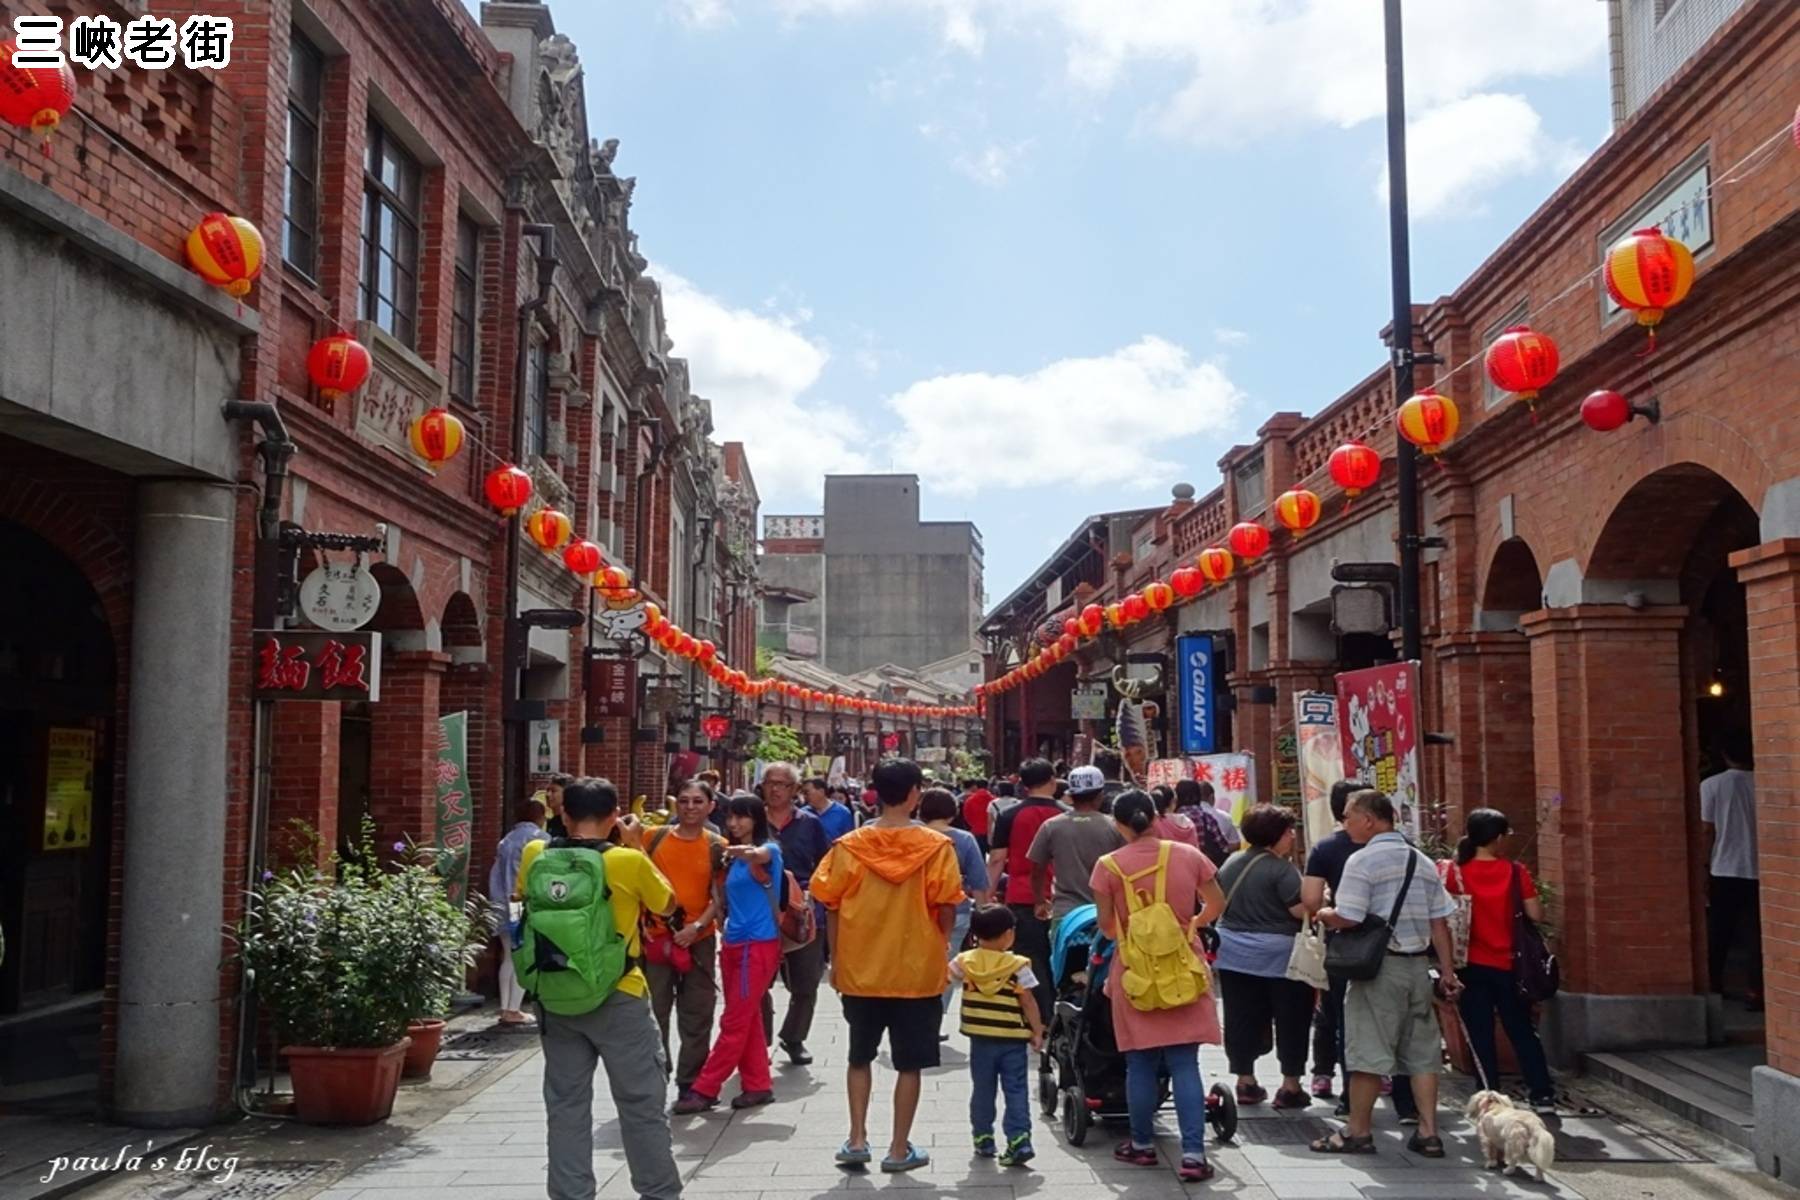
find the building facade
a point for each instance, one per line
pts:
(868, 582)
(1605, 609)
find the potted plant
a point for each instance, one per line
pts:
(314, 943)
(434, 944)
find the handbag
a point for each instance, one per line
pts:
(1356, 955)
(1461, 921)
(1306, 962)
(794, 922)
(1536, 973)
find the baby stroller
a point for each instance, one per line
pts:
(1083, 1069)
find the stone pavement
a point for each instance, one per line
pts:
(491, 1147)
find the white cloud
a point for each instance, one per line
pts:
(703, 14)
(1078, 422)
(994, 164)
(1456, 151)
(755, 368)
(1230, 337)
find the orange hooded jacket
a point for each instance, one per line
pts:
(886, 885)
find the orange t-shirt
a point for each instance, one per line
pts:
(687, 865)
(886, 885)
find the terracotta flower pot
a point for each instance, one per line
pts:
(344, 1087)
(426, 1036)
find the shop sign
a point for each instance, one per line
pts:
(620, 623)
(1167, 772)
(1197, 724)
(454, 813)
(1088, 702)
(1233, 779)
(612, 687)
(1378, 724)
(340, 597)
(1681, 208)
(297, 664)
(1287, 769)
(69, 789)
(1321, 760)
(544, 743)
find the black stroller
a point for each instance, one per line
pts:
(1083, 1069)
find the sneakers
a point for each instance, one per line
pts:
(1544, 1106)
(1137, 1156)
(1195, 1170)
(1322, 1087)
(752, 1099)
(1018, 1151)
(691, 1102)
(1295, 1099)
(984, 1145)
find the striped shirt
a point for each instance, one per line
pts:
(1372, 878)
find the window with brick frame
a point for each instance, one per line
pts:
(300, 205)
(465, 310)
(390, 268)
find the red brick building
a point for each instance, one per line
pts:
(1607, 607)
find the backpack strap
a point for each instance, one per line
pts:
(1162, 872)
(1132, 904)
(656, 840)
(1256, 861)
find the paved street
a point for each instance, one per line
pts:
(492, 1146)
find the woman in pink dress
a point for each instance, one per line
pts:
(1163, 1039)
(1170, 825)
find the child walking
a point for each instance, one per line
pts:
(1001, 1020)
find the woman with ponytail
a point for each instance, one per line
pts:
(1495, 886)
(1160, 1040)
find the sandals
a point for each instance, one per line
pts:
(1343, 1143)
(915, 1158)
(853, 1156)
(1426, 1147)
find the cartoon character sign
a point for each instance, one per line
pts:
(620, 623)
(1379, 727)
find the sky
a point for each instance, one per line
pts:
(1056, 256)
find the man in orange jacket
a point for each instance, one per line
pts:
(890, 890)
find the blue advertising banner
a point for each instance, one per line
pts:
(1198, 730)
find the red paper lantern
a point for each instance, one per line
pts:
(1248, 540)
(338, 365)
(715, 727)
(1216, 564)
(1187, 582)
(1648, 273)
(1159, 596)
(707, 652)
(1297, 510)
(548, 528)
(1136, 608)
(436, 436)
(1065, 645)
(612, 578)
(1355, 467)
(1428, 420)
(1522, 361)
(582, 557)
(1115, 615)
(34, 98)
(1092, 621)
(507, 488)
(227, 252)
(1071, 627)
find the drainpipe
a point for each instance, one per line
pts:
(513, 642)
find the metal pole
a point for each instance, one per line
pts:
(1407, 456)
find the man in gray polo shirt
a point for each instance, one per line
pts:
(1389, 1025)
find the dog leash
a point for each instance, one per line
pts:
(1480, 1072)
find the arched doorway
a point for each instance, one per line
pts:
(58, 700)
(1667, 542)
(1506, 765)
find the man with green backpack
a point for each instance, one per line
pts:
(579, 957)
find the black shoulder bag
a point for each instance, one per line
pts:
(1356, 954)
(1536, 972)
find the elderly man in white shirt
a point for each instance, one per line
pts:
(1734, 899)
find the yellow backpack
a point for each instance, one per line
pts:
(1161, 969)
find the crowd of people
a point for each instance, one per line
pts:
(926, 901)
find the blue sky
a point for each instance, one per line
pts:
(1057, 255)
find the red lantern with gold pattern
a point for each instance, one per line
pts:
(1649, 273)
(1428, 420)
(1159, 596)
(507, 488)
(1216, 564)
(582, 557)
(1248, 540)
(1187, 582)
(1115, 615)
(338, 365)
(1136, 608)
(227, 252)
(1522, 361)
(707, 652)
(1354, 467)
(34, 98)
(1066, 644)
(612, 578)
(1092, 621)
(1297, 510)
(548, 529)
(436, 436)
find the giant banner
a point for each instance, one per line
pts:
(1198, 733)
(455, 817)
(1378, 721)
(1321, 755)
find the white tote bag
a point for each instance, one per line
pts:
(1306, 962)
(1461, 919)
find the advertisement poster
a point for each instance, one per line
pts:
(1198, 732)
(1233, 778)
(1088, 702)
(543, 746)
(1379, 724)
(1321, 760)
(454, 812)
(69, 789)
(1167, 772)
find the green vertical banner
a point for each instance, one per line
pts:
(455, 816)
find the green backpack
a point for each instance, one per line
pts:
(571, 956)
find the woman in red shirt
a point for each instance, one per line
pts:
(1496, 886)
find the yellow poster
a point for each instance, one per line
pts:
(69, 790)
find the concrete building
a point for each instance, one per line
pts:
(870, 582)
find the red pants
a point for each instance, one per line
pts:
(748, 970)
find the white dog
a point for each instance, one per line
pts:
(1510, 1135)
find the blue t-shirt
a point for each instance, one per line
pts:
(837, 821)
(748, 916)
(970, 862)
